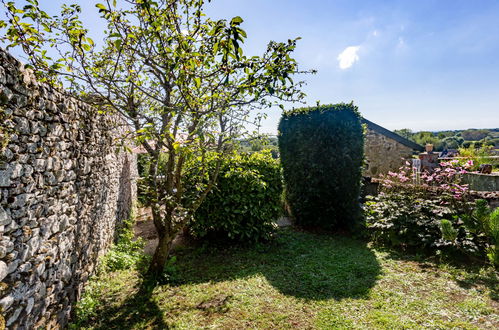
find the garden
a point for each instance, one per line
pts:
(421, 253)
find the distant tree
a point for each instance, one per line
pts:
(450, 143)
(494, 142)
(425, 138)
(445, 134)
(179, 78)
(404, 132)
(474, 134)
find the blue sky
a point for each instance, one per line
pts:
(423, 65)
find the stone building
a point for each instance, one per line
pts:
(384, 150)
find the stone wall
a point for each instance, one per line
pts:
(63, 191)
(383, 154)
(482, 182)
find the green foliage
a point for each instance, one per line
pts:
(245, 200)
(406, 219)
(451, 142)
(441, 140)
(260, 143)
(485, 221)
(124, 256)
(424, 138)
(493, 142)
(493, 234)
(448, 232)
(145, 185)
(170, 273)
(181, 79)
(4, 134)
(126, 253)
(301, 280)
(404, 132)
(475, 134)
(322, 152)
(413, 212)
(478, 156)
(420, 220)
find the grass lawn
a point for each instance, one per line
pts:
(301, 280)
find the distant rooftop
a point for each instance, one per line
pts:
(391, 135)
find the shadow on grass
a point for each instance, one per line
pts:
(139, 311)
(299, 264)
(467, 273)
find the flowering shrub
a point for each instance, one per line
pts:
(409, 209)
(445, 179)
(433, 211)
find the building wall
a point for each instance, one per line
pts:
(482, 182)
(63, 191)
(383, 154)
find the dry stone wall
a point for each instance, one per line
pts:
(63, 191)
(383, 154)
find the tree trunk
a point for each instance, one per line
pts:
(160, 255)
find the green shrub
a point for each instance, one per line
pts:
(493, 250)
(448, 231)
(435, 216)
(405, 219)
(244, 202)
(415, 215)
(322, 153)
(126, 253)
(478, 156)
(484, 223)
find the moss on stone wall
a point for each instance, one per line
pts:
(4, 135)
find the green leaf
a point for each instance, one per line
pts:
(197, 81)
(117, 44)
(236, 20)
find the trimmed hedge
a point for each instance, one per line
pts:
(322, 150)
(245, 201)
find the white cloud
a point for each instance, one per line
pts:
(348, 57)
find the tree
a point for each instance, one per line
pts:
(423, 138)
(451, 142)
(475, 134)
(404, 132)
(180, 79)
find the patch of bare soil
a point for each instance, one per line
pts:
(144, 228)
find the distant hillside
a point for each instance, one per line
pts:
(453, 139)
